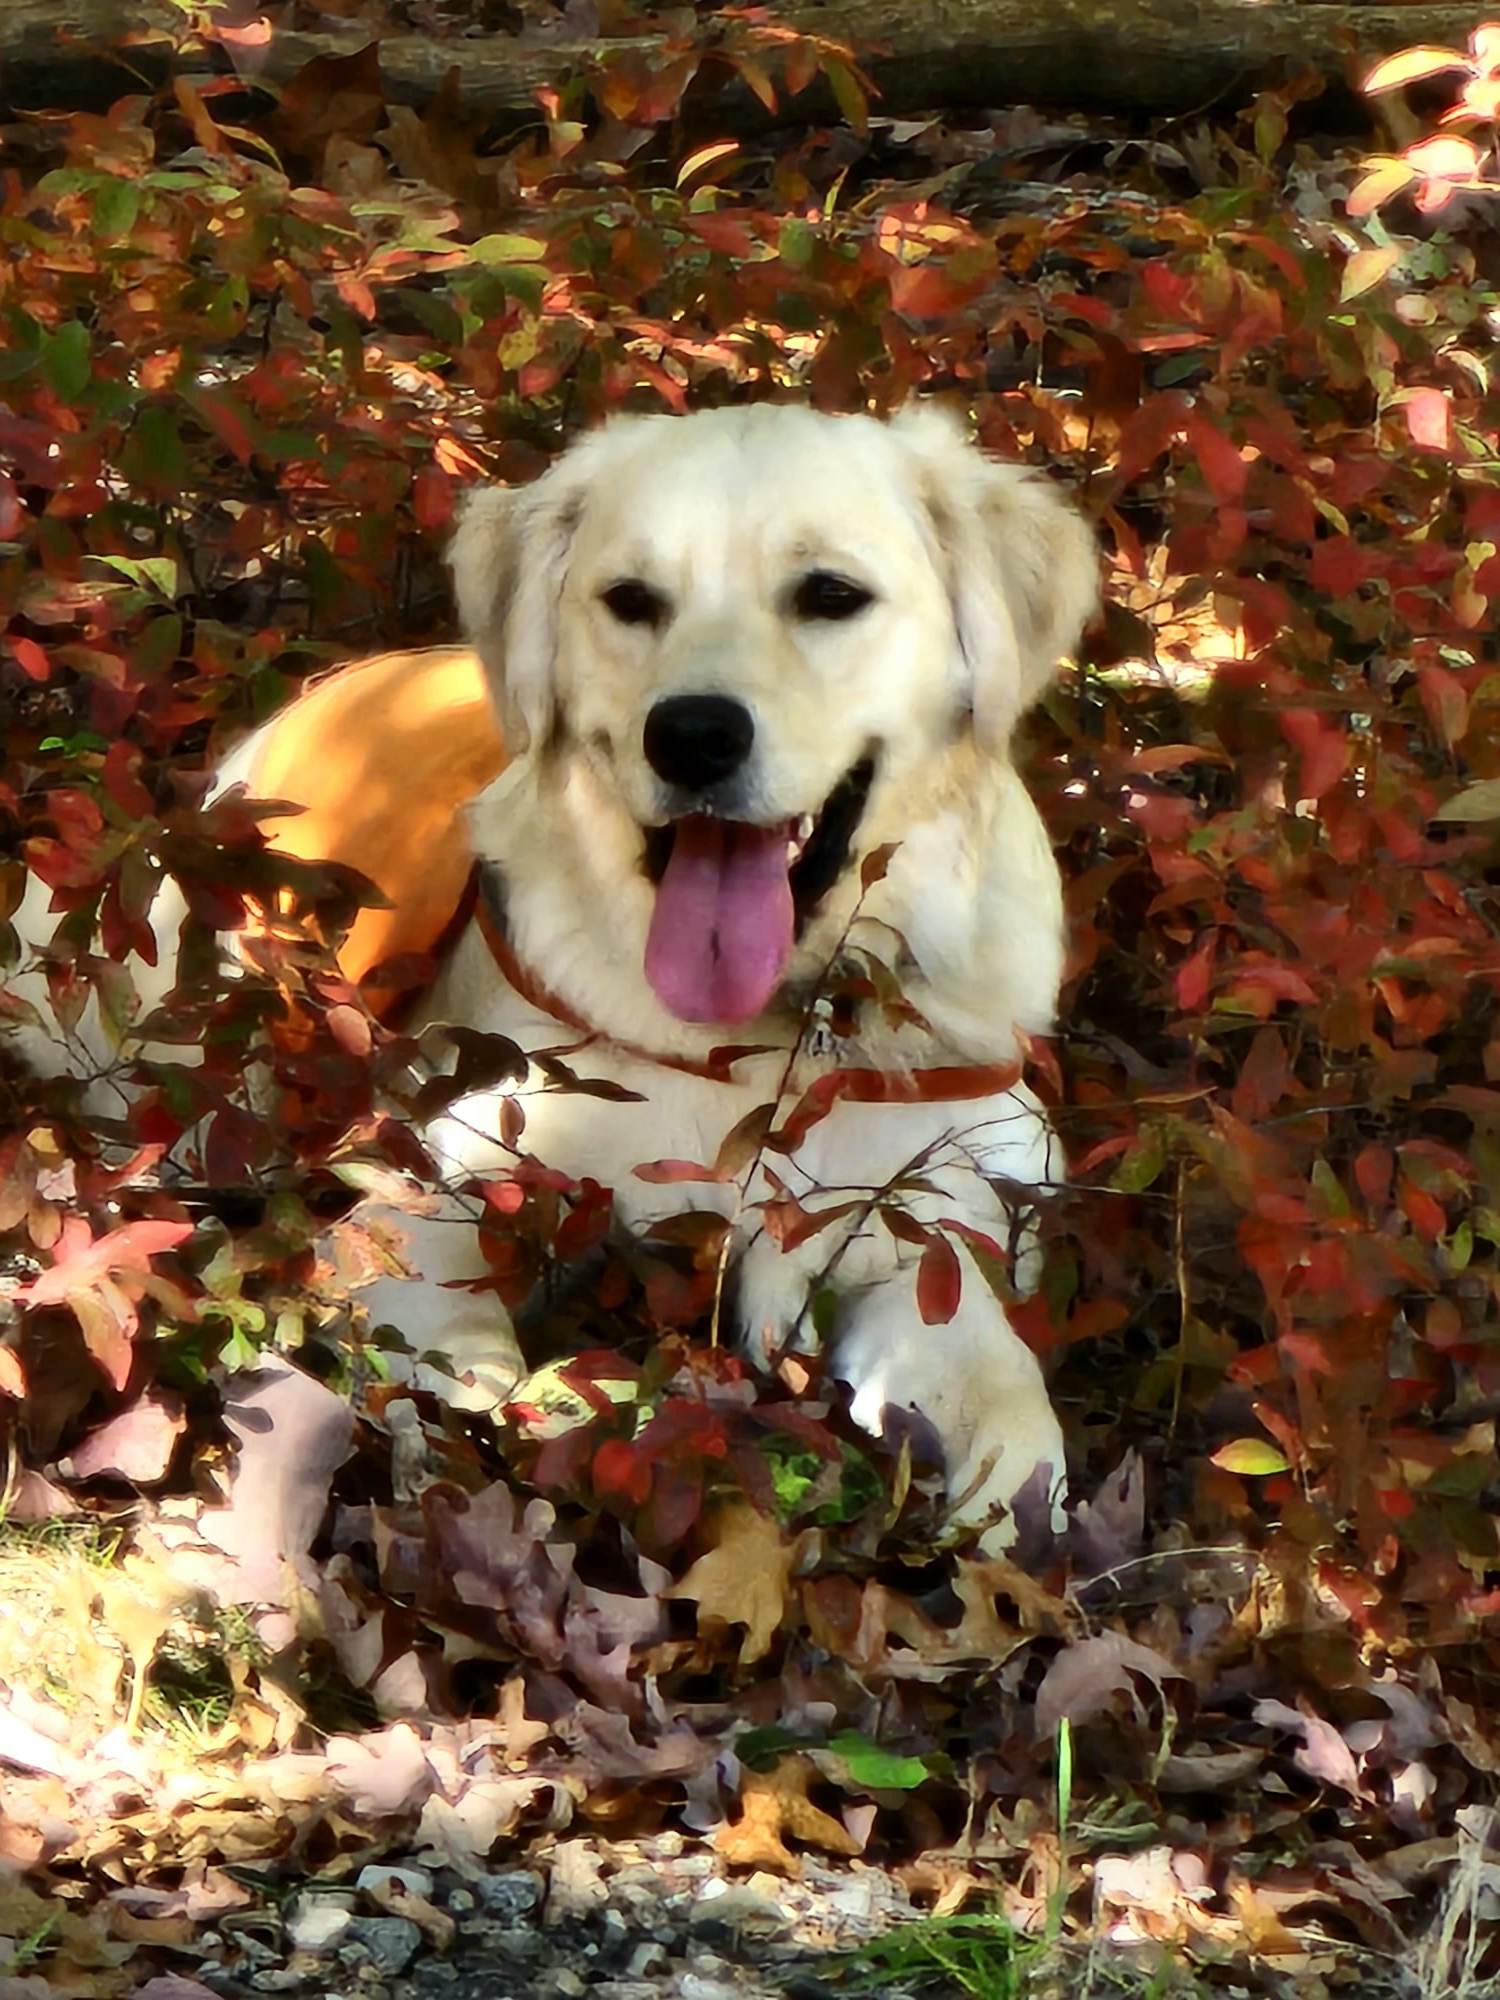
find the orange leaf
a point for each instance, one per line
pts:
(774, 1804)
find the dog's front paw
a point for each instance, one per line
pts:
(973, 1382)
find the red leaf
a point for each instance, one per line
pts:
(31, 659)
(1195, 975)
(729, 233)
(1223, 468)
(940, 1281)
(1373, 1168)
(1322, 750)
(1423, 1213)
(619, 1470)
(432, 499)
(121, 764)
(1446, 702)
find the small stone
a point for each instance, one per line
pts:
(276, 1979)
(255, 1949)
(372, 1880)
(575, 1882)
(512, 1894)
(693, 1986)
(647, 1960)
(461, 1902)
(565, 1983)
(615, 1928)
(391, 1942)
(737, 1906)
(855, 1897)
(518, 1947)
(316, 1923)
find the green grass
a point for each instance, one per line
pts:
(982, 1956)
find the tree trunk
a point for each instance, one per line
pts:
(1144, 56)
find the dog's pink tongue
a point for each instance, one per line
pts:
(722, 930)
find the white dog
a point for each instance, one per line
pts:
(732, 656)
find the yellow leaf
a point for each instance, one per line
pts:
(1407, 65)
(743, 1578)
(1387, 178)
(705, 156)
(1366, 268)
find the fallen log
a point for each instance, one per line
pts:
(1152, 57)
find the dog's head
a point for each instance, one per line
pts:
(746, 624)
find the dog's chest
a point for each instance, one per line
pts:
(666, 1138)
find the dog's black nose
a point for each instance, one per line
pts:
(695, 740)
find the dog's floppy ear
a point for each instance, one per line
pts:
(509, 558)
(1022, 568)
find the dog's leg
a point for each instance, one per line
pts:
(974, 1382)
(461, 1344)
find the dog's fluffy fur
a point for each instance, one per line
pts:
(980, 579)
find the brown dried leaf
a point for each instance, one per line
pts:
(743, 1578)
(1085, 1678)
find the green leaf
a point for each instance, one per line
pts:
(1142, 1163)
(758, 1749)
(154, 573)
(1461, 1247)
(1328, 1185)
(66, 362)
(849, 93)
(502, 249)
(1250, 1455)
(153, 456)
(878, 1770)
(1474, 802)
(796, 243)
(117, 203)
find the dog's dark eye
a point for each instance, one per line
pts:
(634, 602)
(821, 594)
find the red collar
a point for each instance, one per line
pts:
(957, 1083)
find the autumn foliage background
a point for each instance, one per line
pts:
(251, 350)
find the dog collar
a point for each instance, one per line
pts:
(956, 1083)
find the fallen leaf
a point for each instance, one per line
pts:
(774, 1805)
(743, 1578)
(137, 1444)
(1085, 1677)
